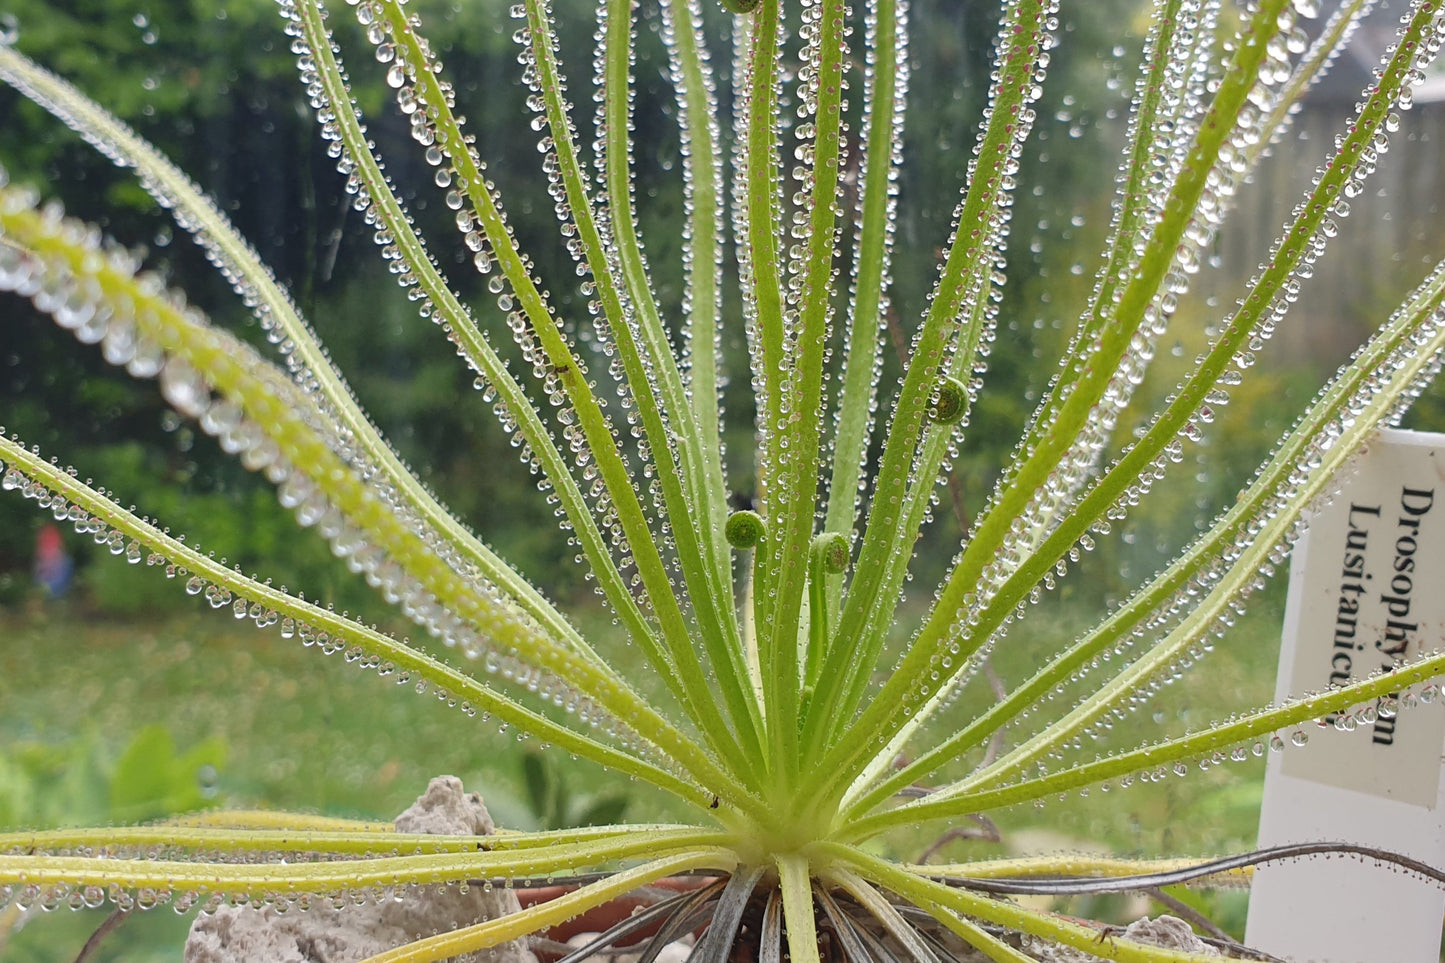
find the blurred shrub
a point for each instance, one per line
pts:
(556, 804)
(77, 782)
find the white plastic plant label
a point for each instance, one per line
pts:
(1366, 589)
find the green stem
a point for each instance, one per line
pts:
(254, 281)
(678, 663)
(1218, 737)
(120, 840)
(348, 875)
(797, 434)
(759, 210)
(1191, 395)
(694, 504)
(883, 135)
(402, 658)
(702, 253)
(535, 918)
(795, 882)
(902, 696)
(872, 593)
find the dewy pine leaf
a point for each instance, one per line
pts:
(781, 718)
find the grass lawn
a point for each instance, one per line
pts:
(301, 730)
(295, 730)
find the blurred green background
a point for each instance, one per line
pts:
(125, 700)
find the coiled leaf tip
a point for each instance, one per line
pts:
(950, 401)
(744, 529)
(832, 552)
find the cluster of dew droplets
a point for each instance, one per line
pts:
(57, 896)
(12, 478)
(1180, 103)
(304, 358)
(1181, 108)
(346, 165)
(591, 239)
(979, 292)
(974, 305)
(445, 147)
(1413, 358)
(102, 531)
(1189, 648)
(208, 899)
(54, 288)
(325, 638)
(633, 370)
(392, 53)
(1407, 368)
(1159, 765)
(184, 388)
(775, 389)
(137, 156)
(809, 222)
(1300, 259)
(744, 70)
(456, 162)
(1274, 74)
(79, 303)
(891, 115)
(741, 71)
(540, 97)
(804, 174)
(106, 532)
(701, 332)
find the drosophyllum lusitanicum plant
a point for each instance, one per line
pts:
(784, 727)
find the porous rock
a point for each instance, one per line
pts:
(324, 934)
(1168, 932)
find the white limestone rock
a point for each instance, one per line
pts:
(324, 934)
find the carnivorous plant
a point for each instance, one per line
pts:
(783, 717)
